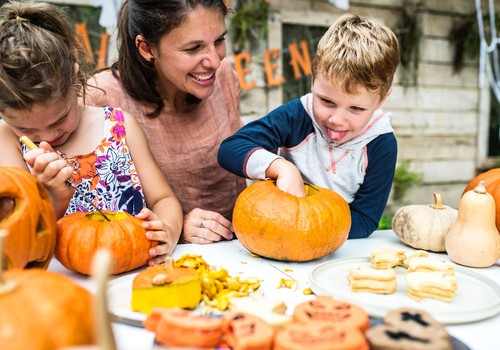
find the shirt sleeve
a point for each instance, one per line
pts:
(371, 199)
(251, 149)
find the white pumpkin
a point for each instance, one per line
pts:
(424, 226)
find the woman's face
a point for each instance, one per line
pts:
(188, 57)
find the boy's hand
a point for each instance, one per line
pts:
(156, 230)
(205, 226)
(288, 177)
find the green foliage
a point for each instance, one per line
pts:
(385, 222)
(248, 22)
(404, 179)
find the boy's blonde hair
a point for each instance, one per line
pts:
(357, 52)
(38, 52)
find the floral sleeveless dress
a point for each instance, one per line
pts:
(108, 175)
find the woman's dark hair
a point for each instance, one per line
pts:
(38, 52)
(152, 19)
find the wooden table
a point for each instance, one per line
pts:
(479, 335)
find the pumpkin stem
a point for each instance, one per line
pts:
(5, 287)
(480, 188)
(438, 202)
(102, 323)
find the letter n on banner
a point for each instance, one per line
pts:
(296, 59)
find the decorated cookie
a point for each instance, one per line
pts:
(243, 331)
(319, 335)
(409, 329)
(179, 327)
(368, 279)
(325, 308)
(271, 311)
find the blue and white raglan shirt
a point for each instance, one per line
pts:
(361, 170)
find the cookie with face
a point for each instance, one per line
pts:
(319, 335)
(409, 329)
(325, 308)
(243, 331)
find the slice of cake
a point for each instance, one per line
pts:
(434, 285)
(431, 264)
(164, 286)
(368, 279)
(386, 258)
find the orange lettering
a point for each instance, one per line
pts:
(270, 67)
(242, 71)
(103, 51)
(296, 59)
(82, 37)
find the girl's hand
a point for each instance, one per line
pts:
(53, 172)
(156, 230)
(205, 226)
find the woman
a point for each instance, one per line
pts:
(172, 76)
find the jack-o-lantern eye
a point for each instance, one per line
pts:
(7, 206)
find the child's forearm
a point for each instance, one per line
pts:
(170, 213)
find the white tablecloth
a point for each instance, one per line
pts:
(479, 335)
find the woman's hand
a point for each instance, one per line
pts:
(205, 226)
(156, 230)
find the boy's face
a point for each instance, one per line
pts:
(340, 115)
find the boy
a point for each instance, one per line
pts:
(336, 136)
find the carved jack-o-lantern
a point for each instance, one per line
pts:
(28, 215)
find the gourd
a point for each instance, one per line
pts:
(491, 180)
(26, 211)
(81, 234)
(424, 226)
(277, 225)
(473, 240)
(42, 310)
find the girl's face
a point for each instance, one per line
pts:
(340, 115)
(53, 122)
(188, 57)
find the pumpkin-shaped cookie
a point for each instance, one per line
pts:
(80, 235)
(281, 226)
(243, 331)
(27, 214)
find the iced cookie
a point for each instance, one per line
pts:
(327, 309)
(368, 279)
(243, 331)
(386, 258)
(434, 285)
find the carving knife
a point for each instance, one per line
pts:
(31, 145)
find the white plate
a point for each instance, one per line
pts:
(477, 297)
(120, 301)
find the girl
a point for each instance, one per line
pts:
(103, 150)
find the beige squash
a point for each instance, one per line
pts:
(474, 240)
(424, 226)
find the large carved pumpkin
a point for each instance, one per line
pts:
(491, 180)
(278, 225)
(80, 235)
(27, 214)
(43, 310)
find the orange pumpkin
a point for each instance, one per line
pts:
(491, 180)
(280, 226)
(80, 235)
(28, 215)
(43, 310)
